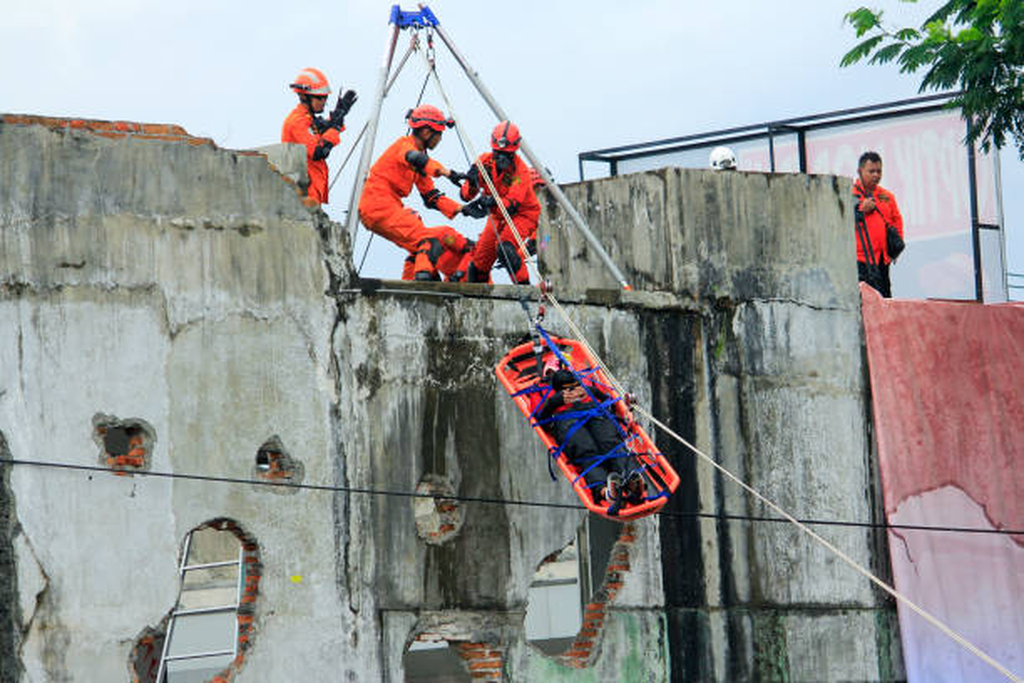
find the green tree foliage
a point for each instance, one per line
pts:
(973, 46)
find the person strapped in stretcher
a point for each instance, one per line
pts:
(587, 427)
(576, 413)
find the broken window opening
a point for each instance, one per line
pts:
(207, 631)
(565, 582)
(554, 608)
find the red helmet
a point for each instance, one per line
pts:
(430, 116)
(505, 137)
(311, 82)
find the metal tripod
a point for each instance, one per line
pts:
(424, 18)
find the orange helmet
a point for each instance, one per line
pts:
(311, 82)
(430, 116)
(505, 137)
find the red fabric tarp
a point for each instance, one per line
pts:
(946, 386)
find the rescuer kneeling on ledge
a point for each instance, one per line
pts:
(404, 164)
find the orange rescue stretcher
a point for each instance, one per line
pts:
(519, 372)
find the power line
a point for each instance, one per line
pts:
(495, 501)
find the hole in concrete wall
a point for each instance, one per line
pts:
(572, 587)
(430, 660)
(437, 519)
(124, 444)
(273, 463)
(207, 633)
(555, 599)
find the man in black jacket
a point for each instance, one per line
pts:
(597, 436)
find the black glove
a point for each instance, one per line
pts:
(477, 208)
(456, 177)
(487, 201)
(322, 149)
(345, 102)
(531, 247)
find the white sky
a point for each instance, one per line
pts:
(575, 76)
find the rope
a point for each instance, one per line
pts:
(413, 45)
(934, 621)
(493, 501)
(578, 334)
(788, 517)
(355, 143)
(471, 156)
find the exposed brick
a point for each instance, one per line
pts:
(112, 129)
(485, 664)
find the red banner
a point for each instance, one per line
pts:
(949, 418)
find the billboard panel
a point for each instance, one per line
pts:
(925, 164)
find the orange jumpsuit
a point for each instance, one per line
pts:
(381, 210)
(298, 128)
(515, 189)
(886, 213)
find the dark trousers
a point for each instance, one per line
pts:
(882, 283)
(597, 436)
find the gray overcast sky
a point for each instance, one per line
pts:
(575, 76)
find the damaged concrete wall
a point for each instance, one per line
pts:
(151, 277)
(170, 283)
(763, 372)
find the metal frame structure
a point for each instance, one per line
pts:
(800, 126)
(183, 568)
(425, 19)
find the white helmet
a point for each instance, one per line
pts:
(723, 159)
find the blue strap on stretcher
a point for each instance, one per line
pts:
(581, 416)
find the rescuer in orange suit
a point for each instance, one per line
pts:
(878, 208)
(404, 164)
(514, 181)
(305, 127)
